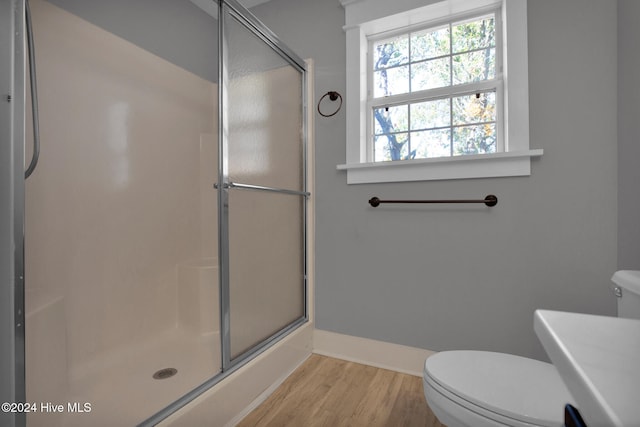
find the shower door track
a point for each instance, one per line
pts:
(237, 364)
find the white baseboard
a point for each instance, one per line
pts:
(395, 357)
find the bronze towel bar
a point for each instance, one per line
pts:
(490, 200)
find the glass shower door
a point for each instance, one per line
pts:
(264, 192)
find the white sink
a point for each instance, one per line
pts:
(598, 358)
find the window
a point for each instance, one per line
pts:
(433, 93)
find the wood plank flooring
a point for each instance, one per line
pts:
(330, 392)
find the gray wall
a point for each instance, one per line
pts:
(628, 138)
(468, 277)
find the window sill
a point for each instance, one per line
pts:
(516, 163)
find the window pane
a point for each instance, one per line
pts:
(440, 122)
(390, 119)
(390, 147)
(475, 108)
(430, 114)
(391, 82)
(391, 52)
(477, 139)
(429, 44)
(431, 143)
(474, 66)
(430, 74)
(474, 35)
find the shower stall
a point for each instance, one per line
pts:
(161, 243)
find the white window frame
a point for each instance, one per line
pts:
(367, 18)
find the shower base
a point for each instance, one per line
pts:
(120, 387)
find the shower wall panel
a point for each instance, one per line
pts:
(117, 199)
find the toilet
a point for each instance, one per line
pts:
(486, 389)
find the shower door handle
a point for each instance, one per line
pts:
(262, 188)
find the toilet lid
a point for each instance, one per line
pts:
(516, 387)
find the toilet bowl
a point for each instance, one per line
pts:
(485, 389)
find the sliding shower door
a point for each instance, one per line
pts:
(263, 198)
(135, 285)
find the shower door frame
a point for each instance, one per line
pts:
(257, 28)
(230, 365)
(12, 193)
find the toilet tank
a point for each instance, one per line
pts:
(627, 289)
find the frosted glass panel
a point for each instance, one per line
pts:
(265, 113)
(264, 147)
(266, 265)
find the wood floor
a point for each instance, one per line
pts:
(325, 391)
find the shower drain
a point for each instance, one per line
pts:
(165, 373)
